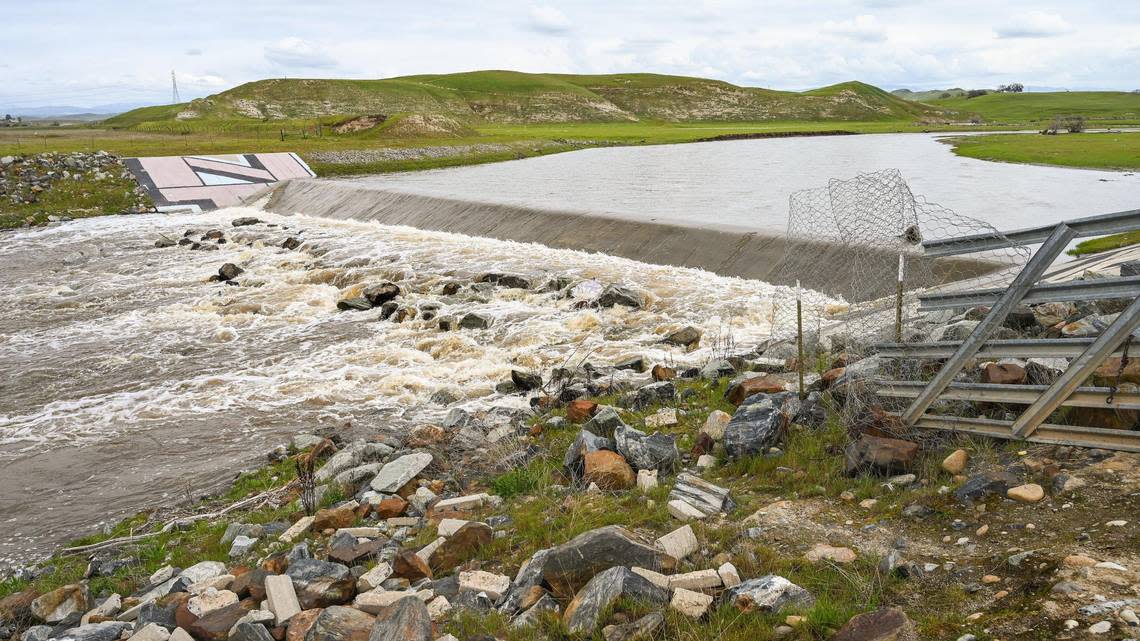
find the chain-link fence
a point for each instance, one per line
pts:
(856, 246)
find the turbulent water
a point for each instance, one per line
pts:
(128, 376)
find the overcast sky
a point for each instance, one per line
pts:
(84, 53)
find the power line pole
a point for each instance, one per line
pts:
(174, 87)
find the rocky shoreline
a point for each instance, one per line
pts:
(633, 500)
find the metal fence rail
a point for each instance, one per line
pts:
(1040, 401)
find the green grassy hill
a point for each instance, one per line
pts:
(521, 98)
(1036, 107)
(928, 95)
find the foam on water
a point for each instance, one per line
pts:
(105, 339)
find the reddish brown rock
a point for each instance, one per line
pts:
(830, 376)
(766, 384)
(339, 623)
(873, 453)
(334, 518)
(886, 624)
(608, 469)
(252, 583)
(410, 566)
(405, 620)
(56, 605)
(426, 435)
(300, 623)
(580, 411)
(662, 373)
(1003, 374)
(216, 625)
(17, 606)
(391, 507)
(461, 545)
(1106, 373)
(276, 563)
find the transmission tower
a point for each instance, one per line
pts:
(174, 89)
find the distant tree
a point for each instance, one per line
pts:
(1071, 124)
(945, 94)
(974, 93)
(1015, 87)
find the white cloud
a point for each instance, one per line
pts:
(205, 81)
(193, 51)
(548, 20)
(1033, 24)
(294, 52)
(864, 28)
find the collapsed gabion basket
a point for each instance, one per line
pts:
(856, 248)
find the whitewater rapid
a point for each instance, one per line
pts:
(129, 376)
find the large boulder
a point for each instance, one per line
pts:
(688, 337)
(216, 625)
(769, 593)
(569, 566)
(757, 425)
(320, 584)
(880, 454)
(338, 623)
(885, 624)
(643, 451)
(602, 593)
(405, 620)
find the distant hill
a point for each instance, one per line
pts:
(928, 95)
(514, 97)
(1043, 106)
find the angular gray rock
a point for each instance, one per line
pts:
(768, 593)
(757, 425)
(585, 443)
(604, 422)
(106, 631)
(406, 620)
(320, 584)
(643, 451)
(250, 632)
(656, 393)
(709, 499)
(528, 576)
(397, 473)
(603, 591)
(339, 623)
(614, 295)
(570, 565)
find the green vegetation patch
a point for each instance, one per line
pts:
(1108, 150)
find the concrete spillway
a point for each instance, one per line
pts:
(724, 250)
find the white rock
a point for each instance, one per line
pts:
(372, 579)
(679, 543)
(163, 574)
(495, 585)
(683, 511)
(221, 582)
(151, 632)
(281, 598)
(715, 425)
(1117, 523)
(375, 600)
(423, 498)
(242, 545)
(108, 608)
(361, 532)
(728, 575)
(297, 529)
(178, 634)
(706, 461)
(646, 480)
(209, 601)
(664, 417)
(656, 578)
(397, 473)
(438, 608)
(204, 571)
(447, 527)
(463, 503)
(1103, 627)
(689, 603)
(426, 551)
(697, 580)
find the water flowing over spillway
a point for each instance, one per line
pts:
(128, 375)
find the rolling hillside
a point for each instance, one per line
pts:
(522, 98)
(1043, 106)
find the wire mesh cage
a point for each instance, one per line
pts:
(856, 247)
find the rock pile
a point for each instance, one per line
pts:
(24, 179)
